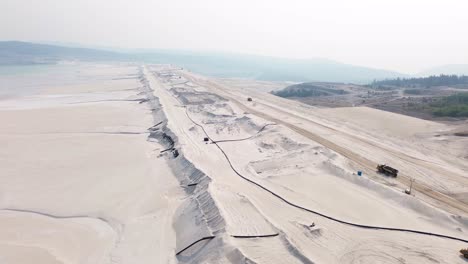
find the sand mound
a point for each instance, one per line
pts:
(392, 124)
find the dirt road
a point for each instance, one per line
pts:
(438, 198)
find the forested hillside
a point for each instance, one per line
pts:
(441, 80)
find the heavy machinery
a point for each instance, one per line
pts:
(464, 252)
(387, 170)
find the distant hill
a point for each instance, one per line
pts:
(207, 63)
(269, 68)
(310, 89)
(18, 53)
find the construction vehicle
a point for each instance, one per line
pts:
(249, 99)
(387, 170)
(464, 252)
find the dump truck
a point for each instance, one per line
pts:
(464, 252)
(387, 170)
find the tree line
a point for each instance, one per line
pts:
(441, 80)
(455, 105)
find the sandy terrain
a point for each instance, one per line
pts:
(445, 169)
(80, 183)
(122, 164)
(292, 161)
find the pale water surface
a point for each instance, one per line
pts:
(26, 80)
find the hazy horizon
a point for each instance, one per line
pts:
(392, 35)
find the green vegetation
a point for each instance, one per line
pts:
(441, 80)
(452, 111)
(455, 106)
(452, 106)
(308, 90)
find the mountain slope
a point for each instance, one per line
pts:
(207, 63)
(269, 68)
(15, 52)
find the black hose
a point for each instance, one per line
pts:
(315, 212)
(201, 239)
(257, 236)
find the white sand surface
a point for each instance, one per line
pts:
(306, 173)
(444, 169)
(53, 240)
(378, 121)
(80, 183)
(111, 166)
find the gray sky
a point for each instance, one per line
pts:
(401, 35)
